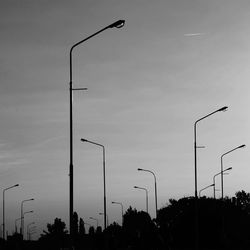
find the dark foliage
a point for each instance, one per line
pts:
(223, 225)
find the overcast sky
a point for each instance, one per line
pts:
(172, 63)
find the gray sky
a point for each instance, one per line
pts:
(172, 63)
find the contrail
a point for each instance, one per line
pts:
(195, 34)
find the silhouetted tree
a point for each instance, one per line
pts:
(114, 236)
(139, 229)
(81, 227)
(91, 230)
(243, 200)
(56, 235)
(225, 222)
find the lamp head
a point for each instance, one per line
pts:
(118, 24)
(83, 140)
(223, 109)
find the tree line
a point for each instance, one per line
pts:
(223, 224)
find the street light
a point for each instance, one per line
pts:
(33, 232)
(4, 207)
(195, 175)
(212, 185)
(119, 203)
(146, 195)
(16, 223)
(32, 223)
(95, 220)
(104, 178)
(219, 174)
(145, 170)
(221, 164)
(107, 218)
(117, 24)
(195, 144)
(22, 215)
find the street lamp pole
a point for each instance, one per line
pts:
(104, 177)
(146, 196)
(221, 163)
(117, 24)
(23, 218)
(32, 223)
(4, 207)
(217, 175)
(16, 223)
(195, 175)
(22, 215)
(92, 218)
(30, 233)
(212, 185)
(107, 218)
(119, 203)
(145, 170)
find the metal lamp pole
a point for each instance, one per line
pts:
(119, 203)
(4, 207)
(217, 175)
(146, 196)
(23, 218)
(30, 233)
(32, 223)
(92, 218)
(212, 185)
(145, 170)
(117, 24)
(16, 224)
(104, 178)
(221, 161)
(22, 215)
(107, 218)
(195, 175)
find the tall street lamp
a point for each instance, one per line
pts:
(146, 195)
(31, 233)
(212, 185)
(195, 144)
(104, 178)
(22, 215)
(145, 170)
(107, 218)
(221, 164)
(85, 223)
(4, 207)
(32, 223)
(217, 175)
(117, 24)
(92, 218)
(195, 176)
(28, 212)
(119, 203)
(16, 223)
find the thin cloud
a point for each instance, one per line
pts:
(195, 34)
